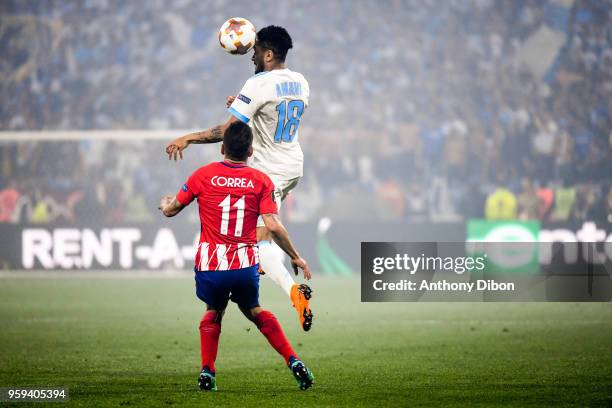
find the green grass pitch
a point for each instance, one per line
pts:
(134, 342)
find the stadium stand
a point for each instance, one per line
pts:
(425, 110)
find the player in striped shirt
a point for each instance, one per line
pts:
(231, 196)
(272, 102)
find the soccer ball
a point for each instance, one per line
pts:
(237, 35)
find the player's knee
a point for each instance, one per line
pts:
(255, 311)
(250, 312)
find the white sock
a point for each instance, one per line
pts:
(271, 262)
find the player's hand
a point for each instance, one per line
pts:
(165, 202)
(175, 148)
(303, 265)
(229, 100)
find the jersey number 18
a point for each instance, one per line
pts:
(289, 115)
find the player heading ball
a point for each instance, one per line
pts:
(272, 102)
(227, 259)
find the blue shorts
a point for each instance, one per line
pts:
(216, 288)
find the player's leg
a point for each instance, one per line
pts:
(245, 292)
(268, 325)
(213, 289)
(271, 260)
(210, 331)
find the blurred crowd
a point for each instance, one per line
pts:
(425, 110)
(108, 181)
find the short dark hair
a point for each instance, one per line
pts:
(276, 39)
(237, 139)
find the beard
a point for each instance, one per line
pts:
(259, 66)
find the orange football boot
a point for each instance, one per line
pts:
(300, 296)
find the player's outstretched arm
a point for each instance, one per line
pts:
(170, 206)
(281, 237)
(175, 148)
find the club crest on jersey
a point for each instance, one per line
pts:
(239, 182)
(184, 188)
(244, 99)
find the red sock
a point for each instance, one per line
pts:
(268, 325)
(210, 330)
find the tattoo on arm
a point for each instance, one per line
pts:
(216, 133)
(208, 136)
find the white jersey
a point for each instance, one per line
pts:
(273, 103)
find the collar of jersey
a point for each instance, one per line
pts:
(267, 72)
(232, 165)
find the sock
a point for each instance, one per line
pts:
(272, 263)
(210, 330)
(268, 325)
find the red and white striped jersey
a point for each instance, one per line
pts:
(230, 197)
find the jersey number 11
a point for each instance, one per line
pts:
(225, 215)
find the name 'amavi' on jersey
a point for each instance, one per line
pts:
(273, 103)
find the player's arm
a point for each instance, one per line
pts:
(170, 206)
(241, 107)
(281, 237)
(175, 148)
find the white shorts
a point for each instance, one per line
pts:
(281, 190)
